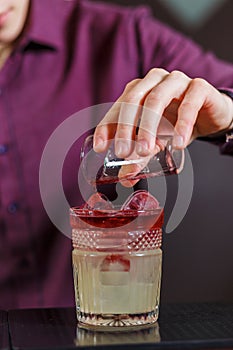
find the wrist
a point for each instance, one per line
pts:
(229, 116)
(228, 94)
(222, 132)
(229, 101)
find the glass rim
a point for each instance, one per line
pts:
(78, 211)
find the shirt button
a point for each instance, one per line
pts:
(3, 148)
(13, 207)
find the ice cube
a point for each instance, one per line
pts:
(140, 200)
(98, 201)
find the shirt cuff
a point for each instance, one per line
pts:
(227, 146)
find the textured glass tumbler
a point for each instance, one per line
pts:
(117, 261)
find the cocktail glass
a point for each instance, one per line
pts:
(117, 261)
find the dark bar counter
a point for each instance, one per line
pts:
(4, 335)
(180, 326)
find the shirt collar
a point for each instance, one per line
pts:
(45, 25)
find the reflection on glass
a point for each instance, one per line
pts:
(90, 338)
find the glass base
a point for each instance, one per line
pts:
(117, 322)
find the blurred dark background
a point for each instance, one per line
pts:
(198, 254)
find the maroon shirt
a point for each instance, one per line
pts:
(74, 54)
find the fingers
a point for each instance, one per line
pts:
(173, 86)
(127, 172)
(131, 109)
(125, 114)
(106, 129)
(141, 107)
(192, 102)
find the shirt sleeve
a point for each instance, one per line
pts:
(227, 147)
(163, 47)
(225, 142)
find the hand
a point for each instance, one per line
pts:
(193, 106)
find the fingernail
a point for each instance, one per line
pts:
(178, 141)
(122, 148)
(142, 147)
(98, 143)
